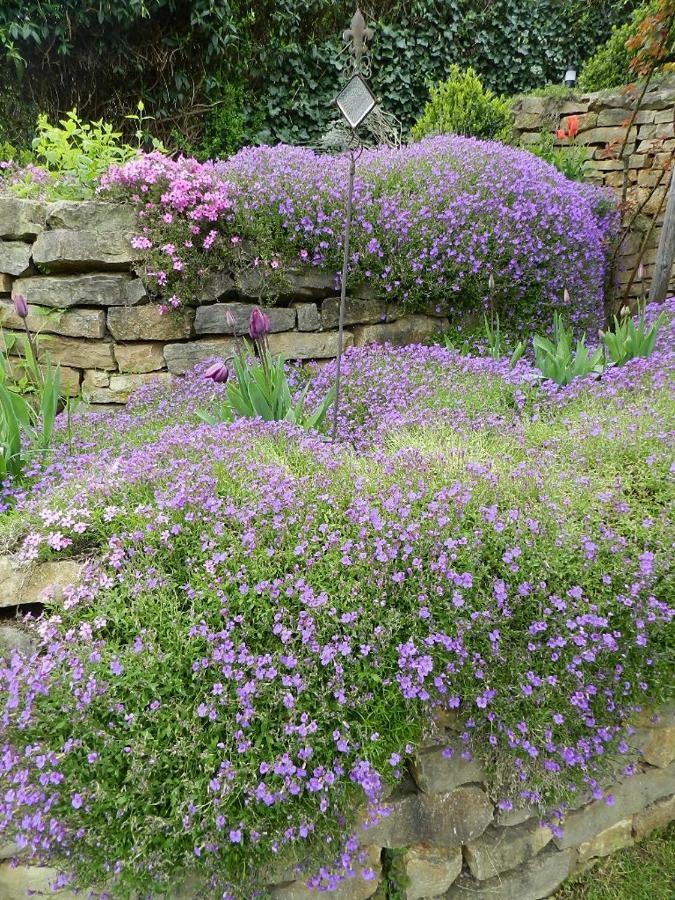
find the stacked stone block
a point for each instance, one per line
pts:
(603, 119)
(74, 265)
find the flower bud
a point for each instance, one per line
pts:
(491, 282)
(258, 324)
(641, 272)
(21, 306)
(624, 312)
(566, 296)
(217, 372)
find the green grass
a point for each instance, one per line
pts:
(643, 872)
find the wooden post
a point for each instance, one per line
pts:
(665, 255)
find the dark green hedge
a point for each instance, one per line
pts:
(229, 72)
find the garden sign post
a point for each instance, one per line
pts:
(355, 101)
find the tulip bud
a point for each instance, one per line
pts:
(566, 296)
(491, 282)
(21, 306)
(217, 372)
(624, 312)
(258, 324)
(641, 272)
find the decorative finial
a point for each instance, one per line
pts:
(358, 34)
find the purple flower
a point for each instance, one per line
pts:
(258, 324)
(21, 306)
(217, 372)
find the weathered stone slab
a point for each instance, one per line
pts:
(408, 330)
(78, 353)
(528, 121)
(607, 135)
(307, 344)
(216, 287)
(430, 871)
(310, 283)
(296, 284)
(629, 797)
(65, 250)
(14, 637)
(663, 130)
(141, 357)
(532, 881)
(574, 107)
(99, 387)
(615, 117)
(614, 838)
(501, 849)
(661, 717)
(89, 323)
(91, 215)
(655, 816)
(308, 316)
(181, 358)
(23, 881)
(214, 319)
(435, 773)
(5, 283)
(511, 817)
(21, 219)
(64, 291)
(150, 323)
(28, 585)
(439, 820)
(10, 850)
(14, 257)
(656, 745)
(356, 888)
(357, 311)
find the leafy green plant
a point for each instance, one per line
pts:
(626, 341)
(462, 105)
(180, 56)
(224, 126)
(77, 149)
(609, 66)
(26, 415)
(261, 389)
(495, 344)
(559, 361)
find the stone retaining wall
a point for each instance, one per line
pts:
(603, 117)
(73, 263)
(443, 836)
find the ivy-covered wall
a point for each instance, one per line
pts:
(215, 76)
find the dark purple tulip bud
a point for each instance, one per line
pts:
(258, 324)
(21, 306)
(217, 372)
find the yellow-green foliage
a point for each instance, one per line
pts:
(461, 105)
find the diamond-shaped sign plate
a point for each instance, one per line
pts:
(355, 101)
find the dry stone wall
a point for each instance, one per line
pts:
(443, 836)
(603, 118)
(74, 265)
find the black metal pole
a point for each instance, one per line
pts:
(343, 289)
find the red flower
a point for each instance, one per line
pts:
(572, 126)
(560, 134)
